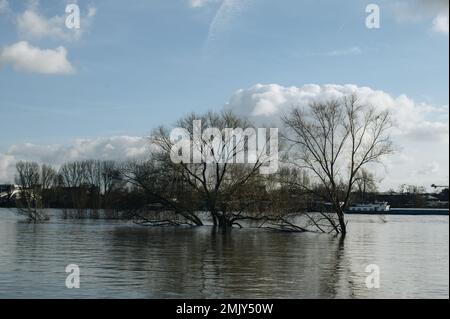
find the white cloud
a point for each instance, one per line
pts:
(349, 51)
(405, 11)
(433, 167)
(415, 11)
(24, 57)
(440, 23)
(117, 148)
(421, 133)
(7, 163)
(32, 25)
(92, 11)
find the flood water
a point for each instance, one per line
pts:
(123, 260)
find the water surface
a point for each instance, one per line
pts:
(123, 260)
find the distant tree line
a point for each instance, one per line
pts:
(147, 190)
(411, 196)
(78, 184)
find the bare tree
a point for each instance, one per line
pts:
(217, 177)
(93, 180)
(73, 174)
(48, 176)
(110, 179)
(365, 183)
(162, 185)
(92, 172)
(29, 201)
(74, 177)
(334, 140)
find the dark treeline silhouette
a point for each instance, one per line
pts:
(79, 184)
(154, 195)
(411, 199)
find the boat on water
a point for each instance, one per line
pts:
(385, 208)
(377, 207)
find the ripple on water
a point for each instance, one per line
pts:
(119, 260)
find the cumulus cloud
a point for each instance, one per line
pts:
(414, 11)
(117, 148)
(33, 25)
(440, 23)
(26, 58)
(421, 132)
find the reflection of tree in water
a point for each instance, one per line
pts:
(340, 283)
(168, 262)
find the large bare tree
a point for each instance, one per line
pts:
(222, 165)
(334, 140)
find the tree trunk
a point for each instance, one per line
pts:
(342, 223)
(224, 222)
(221, 222)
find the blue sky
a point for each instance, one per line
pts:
(141, 63)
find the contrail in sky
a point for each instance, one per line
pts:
(227, 12)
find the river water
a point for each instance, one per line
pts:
(122, 260)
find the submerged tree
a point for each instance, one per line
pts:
(334, 140)
(162, 189)
(29, 202)
(214, 159)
